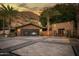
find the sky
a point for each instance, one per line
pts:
(34, 7)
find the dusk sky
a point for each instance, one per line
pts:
(34, 7)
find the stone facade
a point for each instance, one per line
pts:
(62, 28)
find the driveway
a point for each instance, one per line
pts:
(37, 46)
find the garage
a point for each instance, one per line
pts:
(28, 30)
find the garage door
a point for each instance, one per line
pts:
(30, 32)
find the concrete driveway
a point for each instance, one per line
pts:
(37, 46)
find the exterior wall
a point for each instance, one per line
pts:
(45, 33)
(67, 26)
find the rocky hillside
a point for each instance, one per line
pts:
(24, 18)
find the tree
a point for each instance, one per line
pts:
(8, 13)
(48, 13)
(46, 16)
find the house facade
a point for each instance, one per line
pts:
(62, 29)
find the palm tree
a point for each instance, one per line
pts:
(8, 13)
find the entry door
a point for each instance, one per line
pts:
(61, 32)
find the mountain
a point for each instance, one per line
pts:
(29, 15)
(24, 18)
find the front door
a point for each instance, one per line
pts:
(61, 32)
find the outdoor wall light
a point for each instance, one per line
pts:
(18, 30)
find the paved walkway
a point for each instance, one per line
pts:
(37, 46)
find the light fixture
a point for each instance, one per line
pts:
(18, 30)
